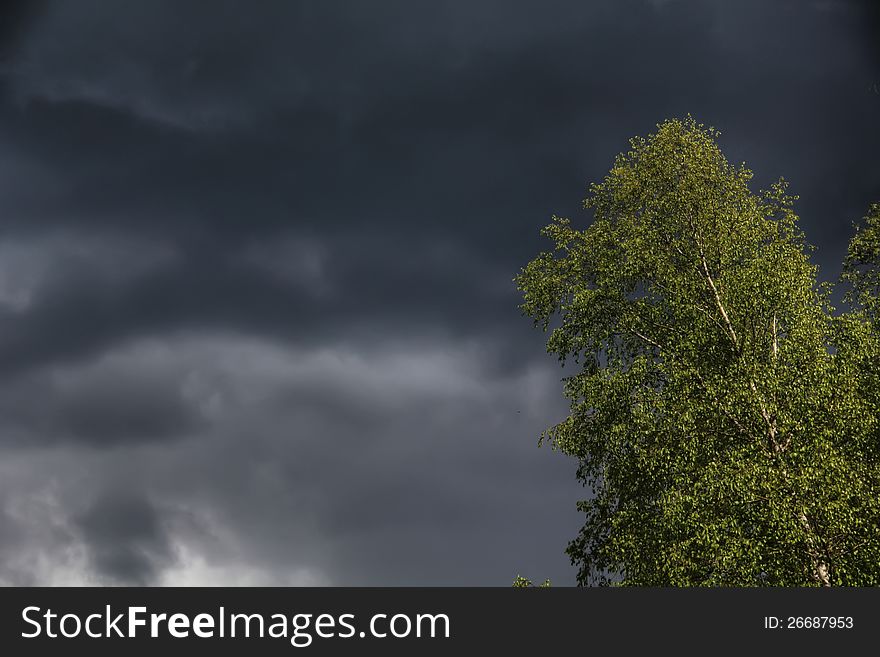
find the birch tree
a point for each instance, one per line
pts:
(722, 413)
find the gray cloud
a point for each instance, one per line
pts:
(115, 400)
(257, 322)
(125, 538)
(315, 488)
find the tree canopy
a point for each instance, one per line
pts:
(862, 265)
(723, 414)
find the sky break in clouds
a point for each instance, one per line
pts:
(257, 324)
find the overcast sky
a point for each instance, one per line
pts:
(257, 324)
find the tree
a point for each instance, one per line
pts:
(724, 417)
(521, 582)
(862, 265)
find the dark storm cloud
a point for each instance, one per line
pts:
(869, 18)
(308, 299)
(125, 537)
(256, 315)
(113, 401)
(18, 16)
(288, 483)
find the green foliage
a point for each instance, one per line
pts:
(862, 265)
(724, 419)
(524, 583)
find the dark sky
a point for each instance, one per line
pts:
(257, 324)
